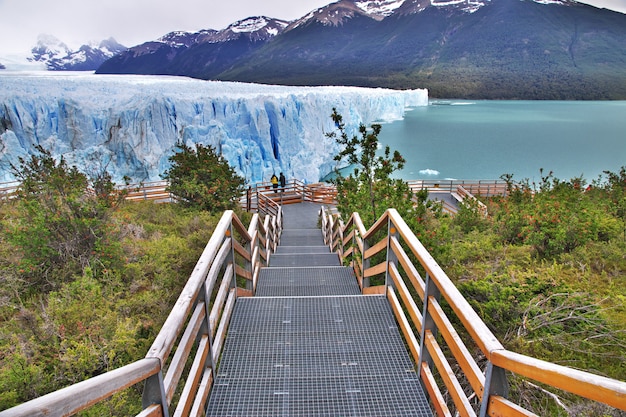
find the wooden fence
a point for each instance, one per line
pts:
(297, 191)
(8, 189)
(293, 192)
(385, 252)
(479, 188)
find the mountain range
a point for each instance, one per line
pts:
(52, 54)
(492, 49)
(508, 49)
(56, 55)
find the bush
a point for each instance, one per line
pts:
(556, 218)
(59, 224)
(201, 179)
(100, 319)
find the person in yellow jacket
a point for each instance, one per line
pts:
(274, 181)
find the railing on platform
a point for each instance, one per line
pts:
(198, 322)
(479, 188)
(297, 191)
(293, 192)
(385, 251)
(8, 189)
(152, 191)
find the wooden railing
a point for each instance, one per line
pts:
(296, 191)
(464, 196)
(152, 191)
(8, 189)
(293, 192)
(197, 323)
(453, 371)
(485, 188)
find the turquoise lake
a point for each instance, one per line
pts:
(457, 139)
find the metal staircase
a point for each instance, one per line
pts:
(308, 344)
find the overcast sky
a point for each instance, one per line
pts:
(132, 22)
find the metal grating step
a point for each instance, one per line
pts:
(303, 216)
(301, 237)
(330, 356)
(312, 281)
(358, 397)
(281, 250)
(316, 240)
(310, 314)
(284, 363)
(301, 232)
(301, 260)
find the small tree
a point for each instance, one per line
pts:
(61, 225)
(370, 189)
(201, 179)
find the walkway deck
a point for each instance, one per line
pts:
(308, 344)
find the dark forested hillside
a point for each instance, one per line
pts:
(509, 49)
(506, 49)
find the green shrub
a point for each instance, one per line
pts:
(103, 318)
(201, 179)
(58, 226)
(554, 219)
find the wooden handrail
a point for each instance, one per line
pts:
(584, 384)
(296, 191)
(77, 397)
(475, 187)
(198, 319)
(472, 322)
(403, 285)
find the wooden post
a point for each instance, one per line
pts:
(248, 264)
(230, 259)
(206, 326)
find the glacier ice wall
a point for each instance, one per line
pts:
(129, 125)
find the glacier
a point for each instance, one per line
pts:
(129, 125)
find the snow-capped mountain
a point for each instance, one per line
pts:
(186, 39)
(336, 13)
(540, 49)
(56, 55)
(258, 28)
(200, 54)
(48, 48)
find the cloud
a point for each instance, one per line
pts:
(130, 22)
